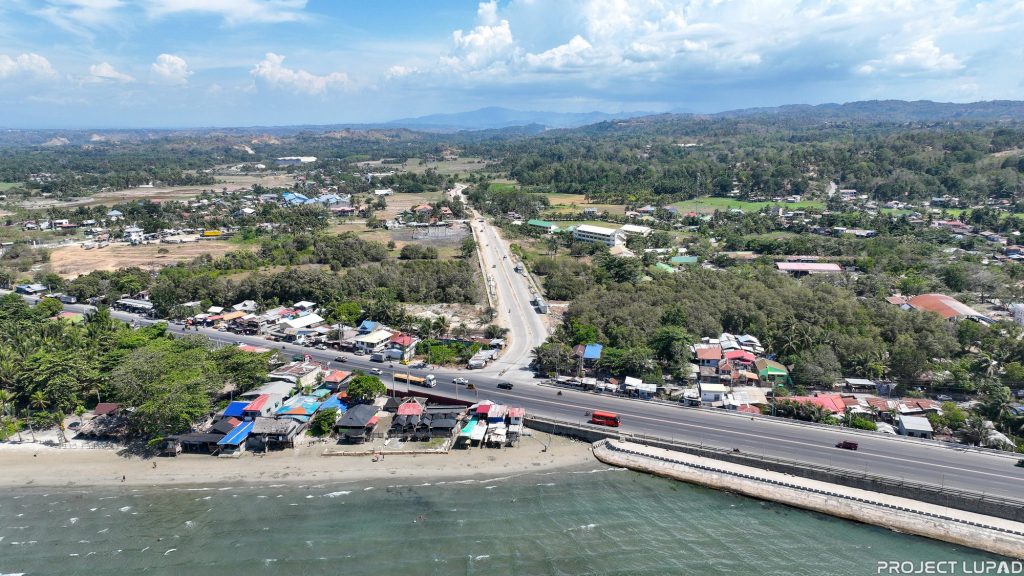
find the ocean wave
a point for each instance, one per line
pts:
(190, 524)
(169, 551)
(547, 484)
(124, 508)
(597, 470)
(481, 557)
(367, 488)
(72, 520)
(336, 494)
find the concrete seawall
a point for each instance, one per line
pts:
(1010, 509)
(996, 535)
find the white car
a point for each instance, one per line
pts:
(376, 371)
(460, 380)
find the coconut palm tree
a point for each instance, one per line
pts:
(6, 403)
(440, 326)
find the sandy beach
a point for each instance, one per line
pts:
(28, 465)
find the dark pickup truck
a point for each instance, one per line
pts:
(847, 445)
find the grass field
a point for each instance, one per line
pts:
(501, 187)
(448, 167)
(709, 204)
(5, 186)
(571, 203)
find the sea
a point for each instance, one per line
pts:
(592, 520)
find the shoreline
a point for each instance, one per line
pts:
(103, 467)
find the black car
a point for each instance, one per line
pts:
(505, 385)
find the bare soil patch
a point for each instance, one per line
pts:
(73, 261)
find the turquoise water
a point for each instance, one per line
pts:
(599, 521)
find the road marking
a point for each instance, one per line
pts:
(777, 439)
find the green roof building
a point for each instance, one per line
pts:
(683, 260)
(547, 226)
(772, 371)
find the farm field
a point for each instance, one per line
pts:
(72, 261)
(464, 165)
(400, 202)
(231, 182)
(708, 204)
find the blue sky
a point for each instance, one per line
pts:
(175, 63)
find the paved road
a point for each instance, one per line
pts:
(512, 295)
(893, 457)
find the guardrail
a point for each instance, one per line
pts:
(790, 485)
(981, 503)
(793, 422)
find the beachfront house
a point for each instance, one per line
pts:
(273, 433)
(357, 425)
(263, 405)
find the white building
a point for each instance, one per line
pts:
(914, 426)
(373, 342)
(606, 236)
(713, 393)
(295, 160)
(635, 230)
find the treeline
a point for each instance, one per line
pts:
(55, 368)
(761, 156)
(356, 266)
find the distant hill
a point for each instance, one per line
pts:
(893, 111)
(495, 118)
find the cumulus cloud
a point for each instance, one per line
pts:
(399, 71)
(272, 71)
(481, 47)
(105, 72)
(921, 57)
(573, 54)
(487, 13)
(171, 69)
(234, 12)
(28, 64)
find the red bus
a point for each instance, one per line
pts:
(605, 418)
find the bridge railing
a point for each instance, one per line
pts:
(938, 494)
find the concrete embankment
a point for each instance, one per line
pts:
(996, 535)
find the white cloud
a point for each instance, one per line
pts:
(272, 71)
(79, 16)
(234, 12)
(105, 72)
(399, 71)
(171, 69)
(573, 54)
(921, 57)
(28, 64)
(481, 47)
(487, 13)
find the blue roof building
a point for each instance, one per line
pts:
(592, 351)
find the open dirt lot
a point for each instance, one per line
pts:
(72, 261)
(231, 182)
